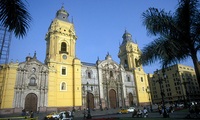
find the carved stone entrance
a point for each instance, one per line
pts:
(130, 99)
(91, 100)
(31, 102)
(112, 98)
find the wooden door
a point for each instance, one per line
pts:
(112, 98)
(90, 97)
(130, 99)
(31, 102)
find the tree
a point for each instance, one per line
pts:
(15, 17)
(178, 35)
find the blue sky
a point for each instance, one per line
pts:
(99, 25)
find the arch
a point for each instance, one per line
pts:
(137, 64)
(90, 100)
(112, 98)
(128, 78)
(125, 63)
(63, 47)
(89, 75)
(31, 102)
(63, 86)
(130, 96)
(32, 81)
(111, 73)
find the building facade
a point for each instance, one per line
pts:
(109, 85)
(178, 84)
(64, 82)
(129, 54)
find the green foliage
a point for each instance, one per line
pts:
(177, 34)
(14, 16)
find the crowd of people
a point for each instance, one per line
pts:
(140, 113)
(27, 113)
(194, 110)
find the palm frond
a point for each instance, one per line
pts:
(157, 22)
(14, 16)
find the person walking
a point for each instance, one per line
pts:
(31, 114)
(134, 113)
(145, 112)
(84, 114)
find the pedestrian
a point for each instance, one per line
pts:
(139, 113)
(134, 113)
(145, 112)
(64, 115)
(73, 113)
(84, 114)
(23, 112)
(160, 109)
(31, 114)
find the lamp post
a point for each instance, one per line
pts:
(160, 81)
(186, 92)
(148, 91)
(88, 103)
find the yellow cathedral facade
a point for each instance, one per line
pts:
(61, 82)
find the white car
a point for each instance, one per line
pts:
(68, 115)
(130, 109)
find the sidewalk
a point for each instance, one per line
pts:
(105, 114)
(79, 114)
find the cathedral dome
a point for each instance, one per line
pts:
(126, 37)
(62, 14)
(108, 57)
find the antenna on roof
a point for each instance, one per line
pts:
(72, 20)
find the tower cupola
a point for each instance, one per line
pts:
(108, 56)
(62, 14)
(126, 37)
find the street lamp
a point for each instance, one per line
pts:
(160, 81)
(88, 103)
(187, 93)
(148, 91)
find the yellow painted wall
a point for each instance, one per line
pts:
(7, 83)
(131, 53)
(63, 31)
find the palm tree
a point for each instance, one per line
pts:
(14, 16)
(178, 35)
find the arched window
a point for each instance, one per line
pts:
(63, 47)
(137, 64)
(141, 79)
(32, 82)
(63, 72)
(63, 86)
(125, 63)
(128, 78)
(89, 75)
(111, 74)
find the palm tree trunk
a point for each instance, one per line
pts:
(196, 67)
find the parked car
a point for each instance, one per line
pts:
(130, 109)
(68, 115)
(180, 105)
(123, 111)
(54, 116)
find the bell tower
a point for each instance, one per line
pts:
(129, 54)
(64, 68)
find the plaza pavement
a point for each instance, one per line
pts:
(180, 114)
(108, 114)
